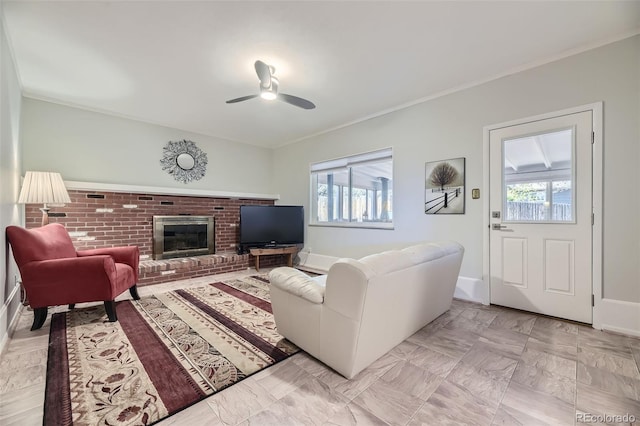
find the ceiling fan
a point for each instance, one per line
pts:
(269, 89)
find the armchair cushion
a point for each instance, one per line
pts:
(297, 282)
(129, 255)
(49, 242)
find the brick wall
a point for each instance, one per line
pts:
(109, 219)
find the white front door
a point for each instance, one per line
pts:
(540, 176)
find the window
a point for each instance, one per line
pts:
(538, 177)
(353, 191)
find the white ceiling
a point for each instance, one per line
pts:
(175, 63)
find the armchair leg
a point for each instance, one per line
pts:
(39, 316)
(133, 290)
(110, 307)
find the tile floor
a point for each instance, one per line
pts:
(477, 365)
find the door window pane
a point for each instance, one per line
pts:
(538, 177)
(527, 201)
(562, 201)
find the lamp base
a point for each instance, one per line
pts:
(45, 215)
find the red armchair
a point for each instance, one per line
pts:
(54, 273)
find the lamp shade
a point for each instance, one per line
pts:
(43, 187)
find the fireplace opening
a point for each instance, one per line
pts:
(183, 236)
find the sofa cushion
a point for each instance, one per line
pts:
(297, 282)
(430, 251)
(388, 261)
(321, 280)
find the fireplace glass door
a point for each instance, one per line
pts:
(182, 236)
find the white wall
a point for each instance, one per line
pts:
(88, 146)
(10, 213)
(451, 126)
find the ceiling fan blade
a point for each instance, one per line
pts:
(294, 100)
(264, 74)
(244, 98)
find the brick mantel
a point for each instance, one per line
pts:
(155, 190)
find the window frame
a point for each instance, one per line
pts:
(345, 191)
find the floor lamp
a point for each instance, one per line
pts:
(43, 187)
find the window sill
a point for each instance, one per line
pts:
(363, 225)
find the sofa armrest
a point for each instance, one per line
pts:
(61, 281)
(347, 284)
(129, 255)
(297, 283)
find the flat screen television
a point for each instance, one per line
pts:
(271, 226)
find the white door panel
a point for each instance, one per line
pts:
(541, 211)
(558, 266)
(514, 261)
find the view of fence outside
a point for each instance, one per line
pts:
(539, 201)
(526, 211)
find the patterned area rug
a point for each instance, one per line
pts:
(165, 353)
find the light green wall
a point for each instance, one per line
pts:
(452, 126)
(10, 212)
(88, 146)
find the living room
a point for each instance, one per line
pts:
(101, 150)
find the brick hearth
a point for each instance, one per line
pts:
(98, 219)
(160, 271)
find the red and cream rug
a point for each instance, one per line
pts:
(165, 353)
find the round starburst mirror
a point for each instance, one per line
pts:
(184, 161)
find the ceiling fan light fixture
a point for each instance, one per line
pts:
(269, 85)
(268, 95)
(271, 91)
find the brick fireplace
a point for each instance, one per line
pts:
(97, 219)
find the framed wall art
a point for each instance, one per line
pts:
(444, 187)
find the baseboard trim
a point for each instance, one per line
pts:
(7, 327)
(617, 316)
(316, 263)
(471, 289)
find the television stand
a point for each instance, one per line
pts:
(289, 251)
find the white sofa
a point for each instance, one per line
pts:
(363, 308)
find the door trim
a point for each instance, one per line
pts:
(597, 200)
